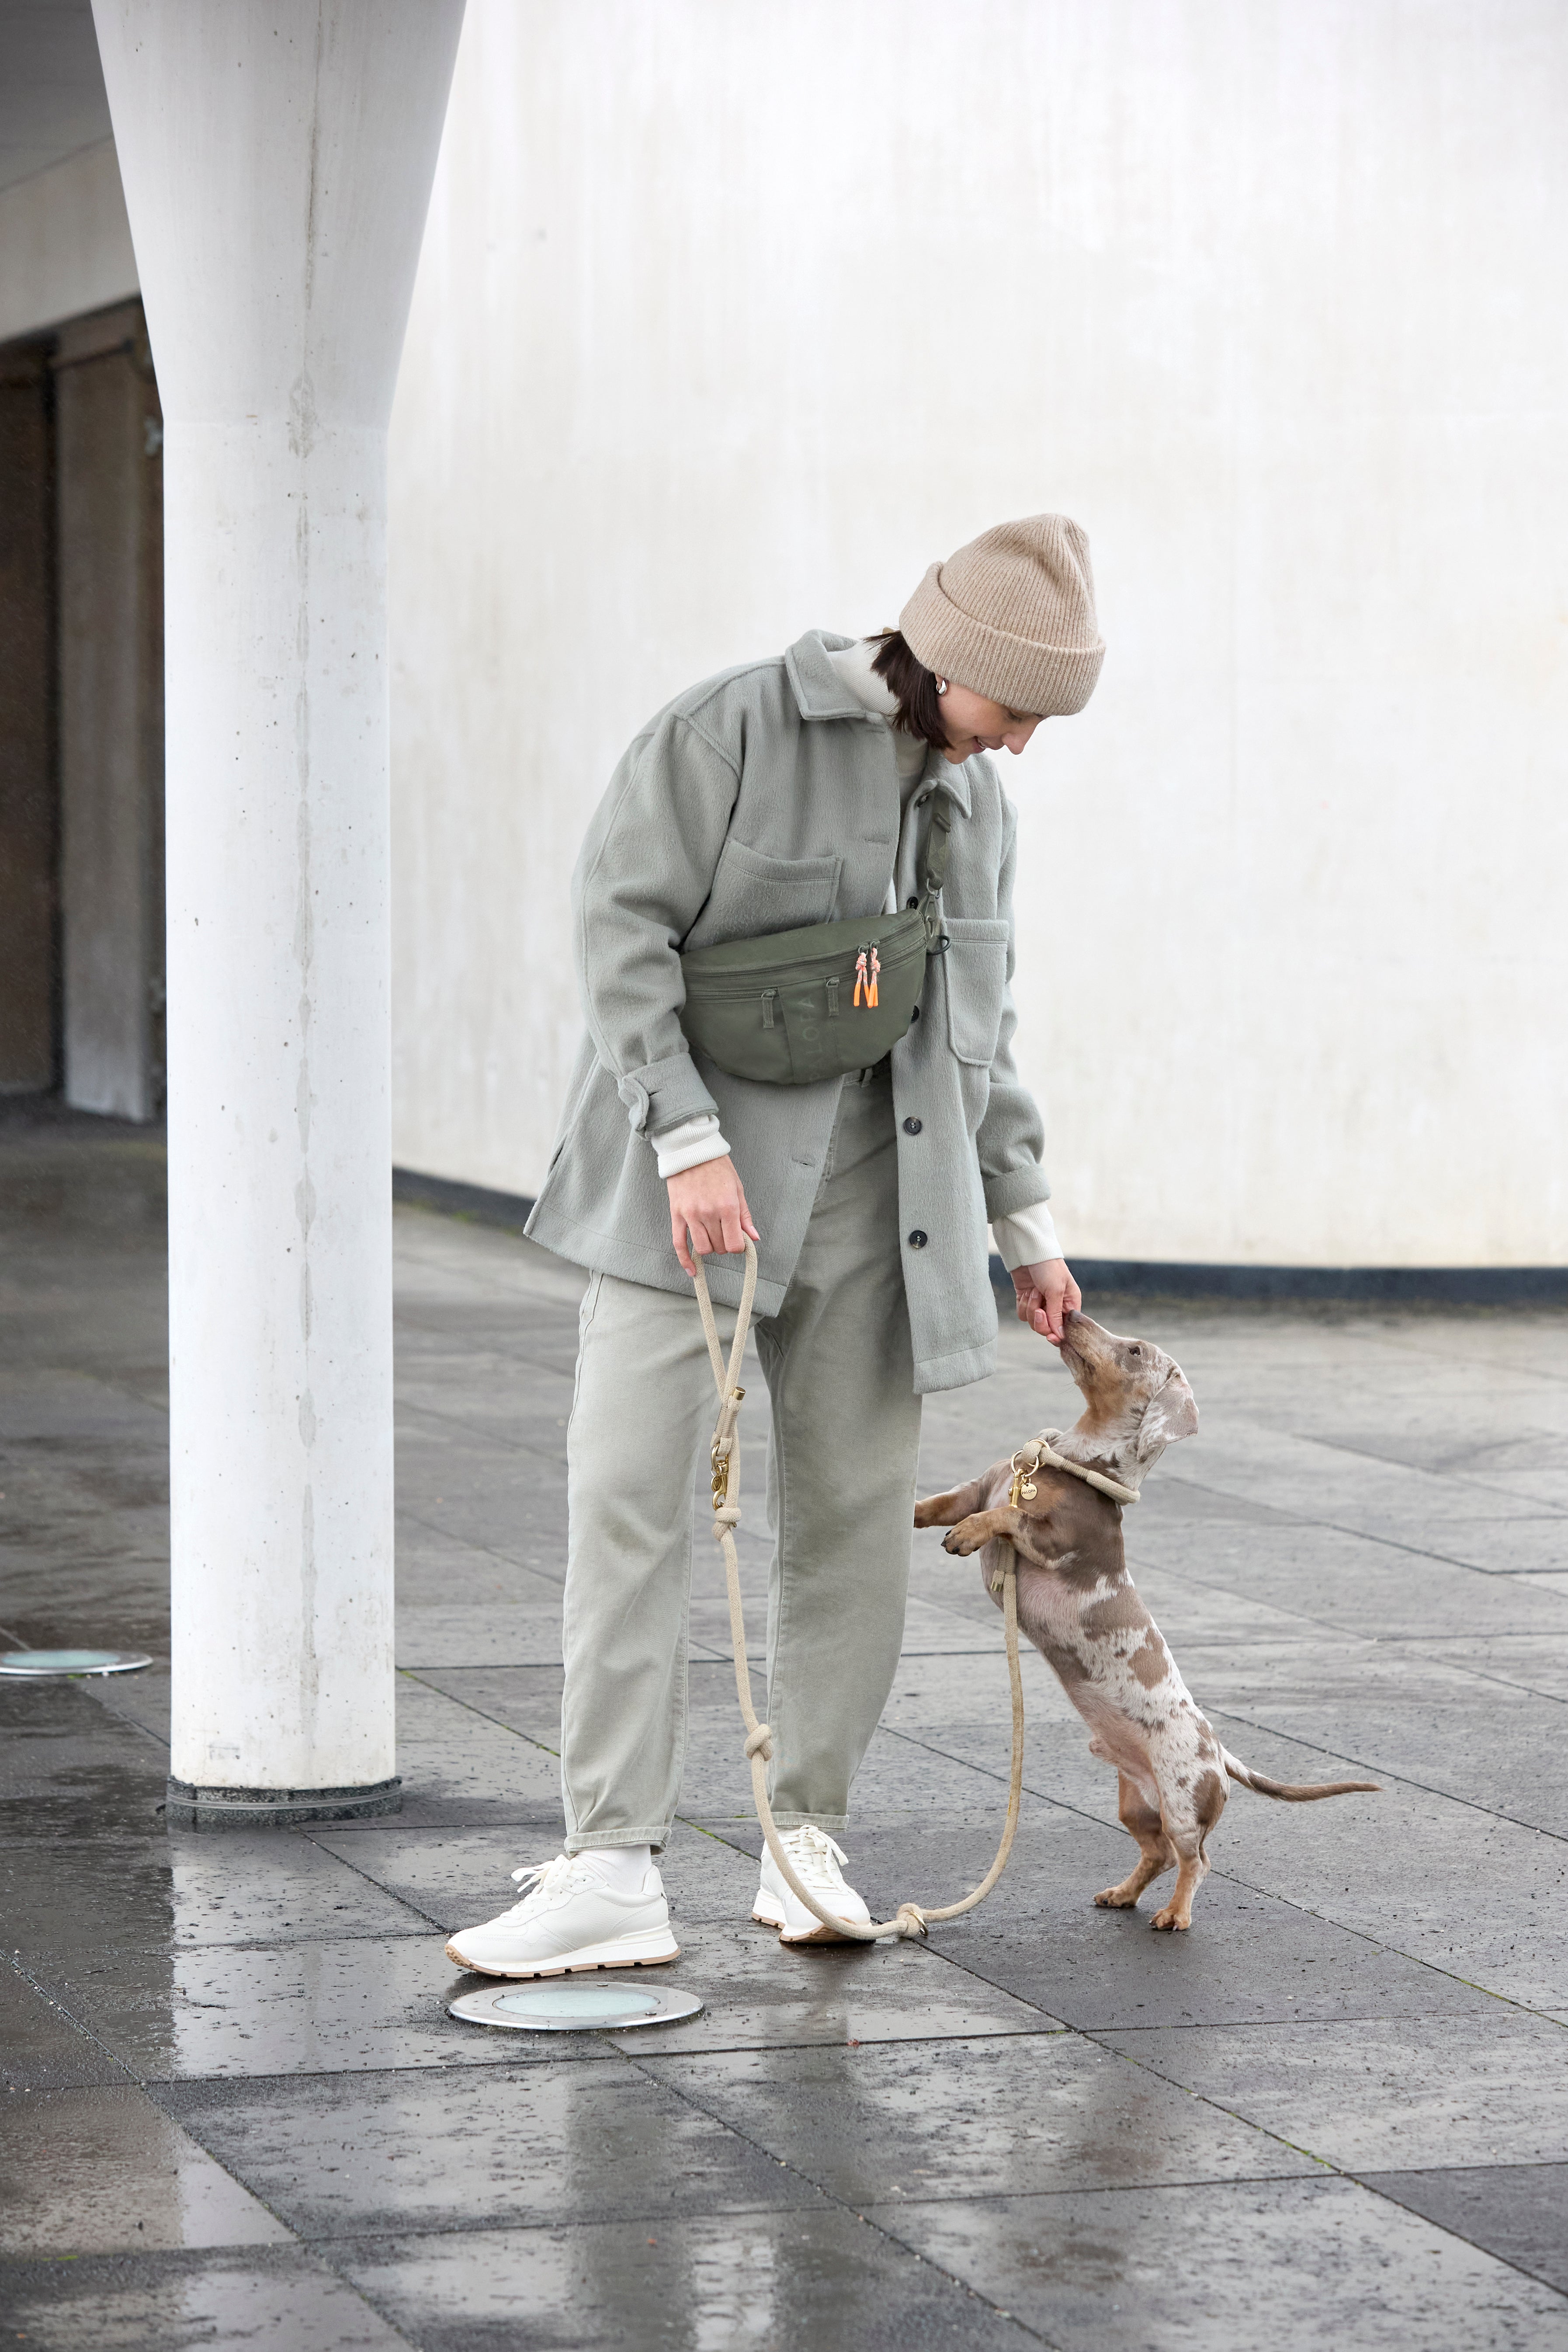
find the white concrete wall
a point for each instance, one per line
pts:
(731, 318)
(65, 242)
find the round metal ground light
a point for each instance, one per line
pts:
(38, 1665)
(573, 2005)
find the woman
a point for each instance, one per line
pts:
(792, 790)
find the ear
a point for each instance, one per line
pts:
(1171, 1412)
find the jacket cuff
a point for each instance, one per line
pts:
(1015, 1189)
(662, 1094)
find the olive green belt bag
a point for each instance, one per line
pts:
(795, 1007)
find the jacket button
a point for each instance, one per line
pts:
(917, 1239)
(911, 1127)
(916, 1013)
(912, 902)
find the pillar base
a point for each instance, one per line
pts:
(191, 1808)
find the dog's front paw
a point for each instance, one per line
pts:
(966, 1538)
(1170, 1920)
(1116, 1898)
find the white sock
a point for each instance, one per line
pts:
(623, 1868)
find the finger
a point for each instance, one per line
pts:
(1073, 1297)
(678, 1235)
(701, 1241)
(746, 1225)
(734, 1240)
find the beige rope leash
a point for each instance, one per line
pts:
(909, 1919)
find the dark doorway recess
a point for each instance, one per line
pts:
(81, 718)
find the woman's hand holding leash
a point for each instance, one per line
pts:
(1045, 1293)
(707, 1203)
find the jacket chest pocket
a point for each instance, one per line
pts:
(754, 894)
(975, 980)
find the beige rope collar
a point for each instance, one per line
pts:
(1045, 1456)
(909, 1919)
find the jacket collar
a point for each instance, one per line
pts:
(818, 689)
(822, 694)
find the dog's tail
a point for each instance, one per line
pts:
(1295, 1792)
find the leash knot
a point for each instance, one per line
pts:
(761, 1742)
(725, 1517)
(911, 1921)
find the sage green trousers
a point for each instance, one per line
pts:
(841, 1485)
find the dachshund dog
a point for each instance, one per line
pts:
(1078, 1604)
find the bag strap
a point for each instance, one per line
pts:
(933, 869)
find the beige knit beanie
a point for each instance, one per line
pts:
(1011, 617)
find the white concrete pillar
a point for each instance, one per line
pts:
(277, 157)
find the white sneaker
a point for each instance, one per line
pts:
(814, 1860)
(568, 1919)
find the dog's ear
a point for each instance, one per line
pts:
(1171, 1412)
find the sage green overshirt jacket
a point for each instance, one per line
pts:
(760, 800)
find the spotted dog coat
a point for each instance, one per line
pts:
(1078, 1604)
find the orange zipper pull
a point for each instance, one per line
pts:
(860, 980)
(876, 971)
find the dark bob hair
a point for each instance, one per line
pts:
(912, 685)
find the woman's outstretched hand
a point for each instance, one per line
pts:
(709, 1205)
(1045, 1293)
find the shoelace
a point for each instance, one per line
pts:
(813, 1854)
(543, 1879)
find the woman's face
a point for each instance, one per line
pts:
(974, 724)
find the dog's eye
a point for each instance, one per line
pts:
(1135, 1349)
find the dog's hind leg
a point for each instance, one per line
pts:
(1189, 1833)
(1156, 1853)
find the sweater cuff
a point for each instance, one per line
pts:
(1026, 1239)
(661, 1094)
(690, 1145)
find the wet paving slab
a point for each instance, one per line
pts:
(1320, 2264)
(1253, 1960)
(1382, 2094)
(579, 2139)
(67, 1769)
(826, 2278)
(42, 2046)
(1517, 2212)
(170, 1891)
(226, 2011)
(283, 2299)
(1046, 2111)
(238, 2109)
(108, 2172)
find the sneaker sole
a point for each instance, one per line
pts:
(649, 1952)
(820, 1933)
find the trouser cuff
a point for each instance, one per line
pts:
(658, 1837)
(815, 1820)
